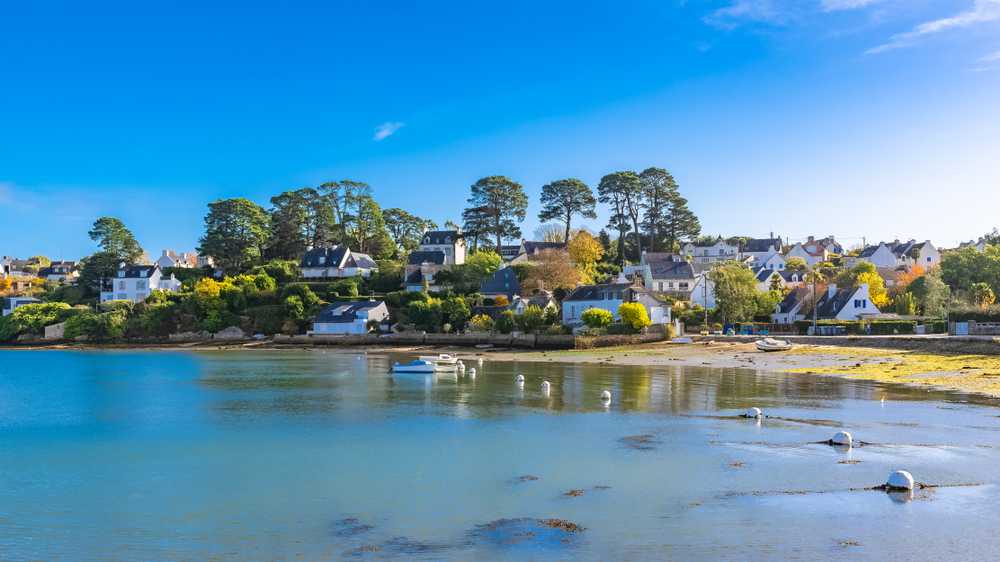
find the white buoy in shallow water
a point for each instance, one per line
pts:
(842, 438)
(480, 361)
(545, 384)
(472, 372)
(901, 479)
(461, 366)
(753, 413)
(519, 378)
(606, 395)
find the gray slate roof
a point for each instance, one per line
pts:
(333, 257)
(439, 237)
(344, 312)
(134, 271)
(432, 258)
(829, 307)
(597, 292)
(504, 282)
(530, 247)
(671, 270)
(793, 298)
(762, 244)
(363, 261)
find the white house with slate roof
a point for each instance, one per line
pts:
(844, 304)
(338, 261)
(791, 307)
(610, 297)
(504, 284)
(342, 318)
(758, 247)
(770, 259)
(135, 282)
(448, 242)
(879, 256)
(672, 278)
(708, 252)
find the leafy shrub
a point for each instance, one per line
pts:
(501, 301)
(310, 302)
(635, 314)
(596, 317)
(552, 315)
(347, 287)
(30, 319)
(281, 271)
(668, 332)
(481, 323)
(531, 319)
(426, 316)
(505, 322)
(620, 329)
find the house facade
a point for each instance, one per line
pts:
(449, 242)
(770, 259)
(672, 278)
(758, 247)
(914, 253)
(879, 256)
(709, 252)
(811, 251)
(542, 301)
(135, 282)
(793, 306)
(341, 318)
(169, 259)
(11, 267)
(61, 270)
(844, 304)
(609, 297)
(10, 304)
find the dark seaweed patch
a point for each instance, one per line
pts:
(540, 532)
(640, 442)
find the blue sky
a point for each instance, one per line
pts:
(857, 118)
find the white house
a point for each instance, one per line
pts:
(338, 261)
(134, 283)
(12, 303)
(170, 259)
(788, 279)
(708, 252)
(791, 308)
(879, 256)
(844, 304)
(11, 267)
(703, 292)
(770, 259)
(979, 245)
(912, 253)
(542, 301)
(672, 277)
(349, 318)
(609, 297)
(448, 242)
(812, 252)
(59, 271)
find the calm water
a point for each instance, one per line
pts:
(308, 455)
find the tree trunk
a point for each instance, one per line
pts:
(638, 240)
(566, 239)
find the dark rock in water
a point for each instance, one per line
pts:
(575, 493)
(349, 527)
(542, 533)
(641, 442)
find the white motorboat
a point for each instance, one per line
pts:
(415, 367)
(771, 344)
(440, 359)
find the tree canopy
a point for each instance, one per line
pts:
(235, 232)
(503, 202)
(113, 238)
(735, 290)
(564, 198)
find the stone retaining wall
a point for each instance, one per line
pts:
(935, 344)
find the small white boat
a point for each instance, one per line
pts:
(770, 344)
(415, 367)
(441, 359)
(681, 340)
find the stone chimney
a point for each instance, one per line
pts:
(121, 265)
(622, 278)
(458, 229)
(425, 229)
(579, 283)
(812, 239)
(832, 290)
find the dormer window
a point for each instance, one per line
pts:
(447, 240)
(142, 273)
(322, 260)
(309, 261)
(121, 274)
(427, 240)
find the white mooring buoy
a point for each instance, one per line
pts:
(472, 372)
(901, 479)
(842, 438)
(753, 413)
(480, 361)
(545, 385)
(606, 396)
(519, 378)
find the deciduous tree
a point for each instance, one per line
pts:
(735, 290)
(552, 270)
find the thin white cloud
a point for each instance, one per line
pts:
(386, 129)
(744, 10)
(982, 11)
(994, 56)
(831, 5)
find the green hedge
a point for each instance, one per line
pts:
(974, 316)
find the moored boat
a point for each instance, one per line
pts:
(771, 344)
(415, 367)
(440, 359)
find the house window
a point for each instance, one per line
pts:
(661, 286)
(506, 274)
(140, 285)
(572, 311)
(427, 240)
(671, 284)
(506, 285)
(447, 251)
(447, 240)
(121, 285)
(322, 260)
(772, 266)
(928, 258)
(684, 286)
(779, 266)
(122, 296)
(140, 296)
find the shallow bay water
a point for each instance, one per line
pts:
(274, 455)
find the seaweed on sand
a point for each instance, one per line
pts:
(640, 442)
(540, 532)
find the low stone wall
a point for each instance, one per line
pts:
(584, 342)
(469, 339)
(562, 341)
(189, 337)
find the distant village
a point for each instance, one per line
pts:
(329, 261)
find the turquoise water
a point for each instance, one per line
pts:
(306, 455)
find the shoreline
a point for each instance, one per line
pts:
(965, 372)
